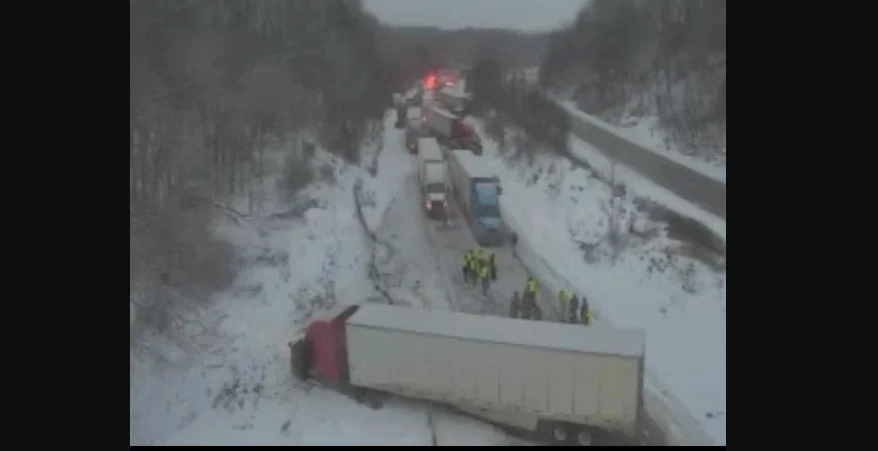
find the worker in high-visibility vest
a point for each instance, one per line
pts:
(465, 264)
(564, 299)
(485, 276)
(574, 309)
(530, 291)
(480, 252)
(585, 312)
(474, 269)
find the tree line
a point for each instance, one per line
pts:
(210, 82)
(508, 98)
(673, 49)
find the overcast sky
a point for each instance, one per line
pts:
(528, 15)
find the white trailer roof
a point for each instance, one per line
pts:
(538, 334)
(442, 111)
(428, 149)
(473, 165)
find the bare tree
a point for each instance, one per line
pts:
(210, 81)
(618, 50)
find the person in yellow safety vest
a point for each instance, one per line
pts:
(564, 299)
(585, 312)
(465, 264)
(531, 286)
(493, 261)
(474, 269)
(485, 275)
(530, 290)
(480, 252)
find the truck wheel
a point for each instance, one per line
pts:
(299, 359)
(560, 433)
(583, 437)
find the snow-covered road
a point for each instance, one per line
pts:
(420, 263)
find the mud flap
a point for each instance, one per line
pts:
(373, 399)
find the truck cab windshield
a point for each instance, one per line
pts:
(436, 188)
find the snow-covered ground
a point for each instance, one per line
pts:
(643, 187)
(560, 212)
(232, 383)
(235, 386)
(645, 132)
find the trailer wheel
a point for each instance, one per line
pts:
(583, 437)
(560, 433)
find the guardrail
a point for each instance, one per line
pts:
(686, 182)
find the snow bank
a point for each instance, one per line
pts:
(558, 211)
(379, 192)
(645, 188)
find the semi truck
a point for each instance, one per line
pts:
(453, 100)
(563, 383)
(450, 130)
(401, 115)
(432, 177)
(477, 192)
(415, 130)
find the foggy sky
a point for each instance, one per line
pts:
(527, 15)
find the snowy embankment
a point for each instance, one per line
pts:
(643, 132)
(235, 386)
(232, 385)
(647, 189)
(645, 281)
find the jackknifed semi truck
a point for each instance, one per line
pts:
(562, 383)
(450, 129)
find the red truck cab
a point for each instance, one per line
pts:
(464, 136)
(322, 352)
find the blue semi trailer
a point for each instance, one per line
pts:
(477, 192)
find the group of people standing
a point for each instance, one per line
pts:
(479, 266)
(577, 311)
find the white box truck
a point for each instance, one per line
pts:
(563, 382)
(432, 177)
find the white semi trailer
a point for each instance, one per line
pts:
(563, 382)
(432, 177)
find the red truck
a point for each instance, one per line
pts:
(450, 130)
